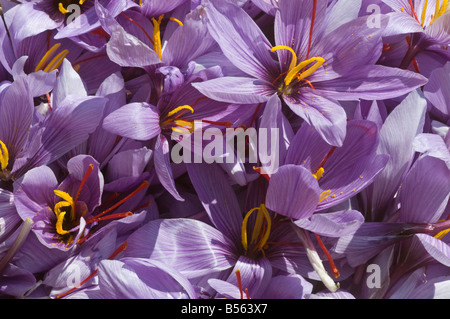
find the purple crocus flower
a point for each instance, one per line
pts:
(316, 63)
(425, 23)
(176, 112)
(212, 249)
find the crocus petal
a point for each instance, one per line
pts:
(236, 90)
(163, 166)
(138, 120)
(34, 191)
(287, 287)
(324, 114)
(435, 92)
(192, 247)
(432, 145)
(437, 249)
(217, 197)
(293, 192)
(396, 140)
(67, 83)
(138, 278)
(241, 40)
(335, 224)
(372, 82)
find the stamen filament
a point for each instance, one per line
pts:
(4, 155)
(424, 12)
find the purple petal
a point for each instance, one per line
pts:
(236, 90)
(241, 40)
(425, 191)
(138, 120)
(217, 197)
(163, 166)
(325, 115)
(335, 224)
(293, 192)
(192, 247)
(138, 278)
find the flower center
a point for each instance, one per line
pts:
(299, 71)
(260, 233)
(64, 5)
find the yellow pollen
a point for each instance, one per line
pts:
(176, 20)
(257, 228)
(295, 70)
(403, 9)
(81, 2)
(61, 8)
(178, 109)
(4, 155)
(157, 35)
(319, 173)
(324, 195)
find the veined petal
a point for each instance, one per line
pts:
(241, 40)
(139, 278)
(324, 114)
(236, 90)
(293, 192)
(425, 191)
(138, 120)
(192, 247)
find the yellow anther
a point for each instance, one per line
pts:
(47, 57)
(293, 73)
(178, 109)
(59, 224)
(324, 195)
(441, 234)
(439, 10)
(319, 173)
(424, 12)
(61, 8)
(176, 20)
(81, 2)
(294, 56)
(68, 201)
(4, 155)
(56, 62)
(257, 228)
(157, 35)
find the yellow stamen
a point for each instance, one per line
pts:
(324, 195)
(293, 73)
(294, 69)
(68, 201)
(441, 234)
(183, 107)
(176, 20)
(81, 2)
(56, 62)
(47, 57)
(140, 2)
(59, 223)
(294, 56)
(257, 229)
(61, 8)
(439, 10)
(319, 173)
(424, 12)
(4, 155)
(157, 35)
